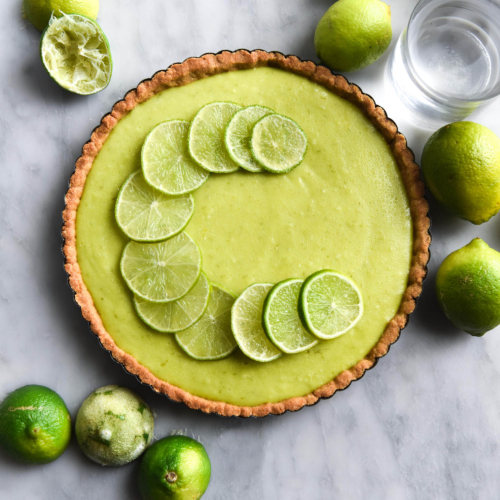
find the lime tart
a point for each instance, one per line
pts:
(343, 194)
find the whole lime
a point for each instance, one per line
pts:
(174, 468)
(39, 12)
(353, 34)
(114, 426)
(468, 287)
(35, 424)
(461, 167)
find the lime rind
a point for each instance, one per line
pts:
(75, 52)
(281, 319)
(166, 162)
(246, 323)
(175, 316)
(164, 271)
(238, 133)
(206, 137)
(211, 337)
(148, 215)
(278, 143)
(330, 304)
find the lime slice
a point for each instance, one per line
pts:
(246, 322)
(75, 52)
(166, 162)
(211, 336)
(278, 143)
(161, 272)
(145, 214)
(171, 317)
(281, 319)
(238, 134)
(330, 304)
(206, 137)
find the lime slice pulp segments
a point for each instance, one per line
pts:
(166, 162)
(281, 319)
(278, 143)
(171, 317)
(211, 336)
(206, 137)
(330, 304)
(246, 322)
(75, 52)
(161, 272)
(146, 214)
(238, 133)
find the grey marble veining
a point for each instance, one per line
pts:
(424, 424)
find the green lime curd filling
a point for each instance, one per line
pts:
(344, 208)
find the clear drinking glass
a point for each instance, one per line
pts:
(447, 62)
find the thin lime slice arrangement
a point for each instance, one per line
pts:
(238, 133)
(166, 162)
(281, 319)
(146, 214)
(330, 304)
(206, 137)
(171, 317)
(161, 272)
(246, 322)
(211, 337)
(76, 54)
(278, 143)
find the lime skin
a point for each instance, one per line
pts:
(174, 468)
(468, 287)
(35, 425)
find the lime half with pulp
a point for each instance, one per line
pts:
(76, 53)
(246, 322)
(211, 336)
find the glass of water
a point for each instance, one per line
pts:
(447, 62)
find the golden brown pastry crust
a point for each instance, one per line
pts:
(210, 64)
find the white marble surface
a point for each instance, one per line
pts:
(424, 424)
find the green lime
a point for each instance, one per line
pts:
(330, 304)
(114, 426)
(170, 317)
(238, 133)
(468, 287)
(39, 12)
(166, 162)
(211, 336)
(35, 425)
(76, 54)
(206, 137)
(281, 319)
(161, 272)
(146, 214)
(278, 143)
(174, 468)
(353, 34)
(461, 167)
(246, 322)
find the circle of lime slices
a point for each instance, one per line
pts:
(206, 137)
(76, 54)
(238, 133)
(330, 304)
(171, 317)
(211, 336)
(278, 143)
(146, 214)
(161, 272)
(166, 162)
(246, 322)
(281, 319)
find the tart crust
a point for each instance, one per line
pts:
(205, 66)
